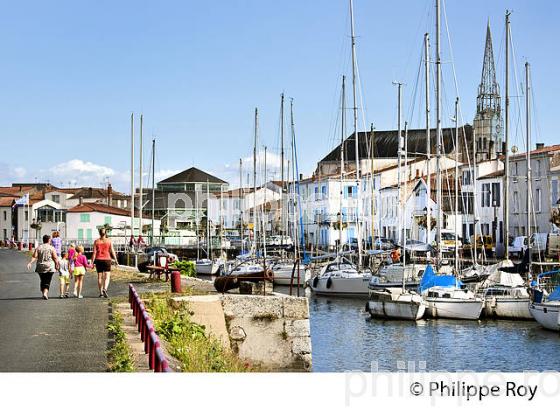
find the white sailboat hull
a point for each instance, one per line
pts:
(357, 286)
(404, 306)
(207, 268)
(454, 308)
(507, 308)
(547, 314)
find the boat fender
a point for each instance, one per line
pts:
(315, 281)
(329, 283)
(367, 307)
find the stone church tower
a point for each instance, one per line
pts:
(488, 129)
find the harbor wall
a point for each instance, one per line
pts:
(271, 332)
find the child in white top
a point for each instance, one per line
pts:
(64, 276)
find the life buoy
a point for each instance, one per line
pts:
(329, 283)
(315, 281)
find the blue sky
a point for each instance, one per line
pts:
(73, 71)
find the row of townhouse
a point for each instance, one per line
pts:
(28, 211)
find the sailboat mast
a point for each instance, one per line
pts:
(529, 170)
(255, 180)
(399, 164)
(428, 142)
(141, 191)
(241, 202)
(132, 174)
(342, 136)
(208, 239)
(371, 156)
(456, 184)
(356, 138)
(153, 189)
(438, 134)
(474, 179)
(282, 190)
(506, 148)
(403, 207)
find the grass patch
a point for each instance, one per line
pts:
(188, 342)
(120, 356)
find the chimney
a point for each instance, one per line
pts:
(81, 201)
(90, 192)
(540, 145)
(109, 195)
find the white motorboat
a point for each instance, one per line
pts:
(340, 277)
(283, 271)
(394, 303)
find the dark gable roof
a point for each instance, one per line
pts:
(96, 193)
(386, 143)
(192, 175)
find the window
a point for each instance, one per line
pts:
(89, 234)
(496, 194)
(55, 198)
(467, 177)
(515, 203)
(554, 193)
(538, 200)
(5, 234)
(316, 193)
(5, 215)
(324, 192)
(84, 217)
(80, 234)
(485, 200)
(539, 168)
(26, 215)
(108, 220)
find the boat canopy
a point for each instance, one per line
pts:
(430, 279)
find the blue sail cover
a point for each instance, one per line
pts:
(555, 295)
(430, 279)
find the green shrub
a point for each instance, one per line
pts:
(187, 268)
(188, 342)
(120, 356)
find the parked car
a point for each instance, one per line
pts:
(517, 246)
(150, 252)
(450, 241)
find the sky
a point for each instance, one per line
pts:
(74, 71)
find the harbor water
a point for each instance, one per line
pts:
(345, 337)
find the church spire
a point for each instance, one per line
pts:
(488, 92)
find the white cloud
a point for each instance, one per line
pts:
(77, 167)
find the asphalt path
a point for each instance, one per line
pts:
(55, 335)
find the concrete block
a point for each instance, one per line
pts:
(297, 328)
(296, 308)
(301, 345)
(256, 307)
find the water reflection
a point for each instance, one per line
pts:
(344, 337)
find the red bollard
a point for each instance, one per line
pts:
(20, 246)
(30, 246)
(175, 282)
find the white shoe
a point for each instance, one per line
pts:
(80, 296)
(75, 293)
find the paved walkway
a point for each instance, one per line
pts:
(57, 335)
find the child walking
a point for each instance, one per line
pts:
(64, 275)
(80, 266)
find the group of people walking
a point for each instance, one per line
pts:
(72, 264)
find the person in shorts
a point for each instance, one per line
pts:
(47, 264)
(103, 256)
(64, 275)
(80, 266)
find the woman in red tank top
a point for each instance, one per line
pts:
(103, 254)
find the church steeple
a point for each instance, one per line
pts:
(488, 119)
(488, 91)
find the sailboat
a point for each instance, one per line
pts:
(545, 308)
(397, 302)
(446, 297)
(342, 277)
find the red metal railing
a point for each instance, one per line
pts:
(152, 347)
